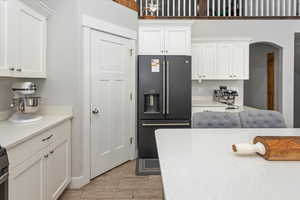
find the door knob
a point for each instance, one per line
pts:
(95, 111)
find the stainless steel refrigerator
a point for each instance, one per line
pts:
(164, 101)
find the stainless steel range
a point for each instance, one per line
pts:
(3, 174)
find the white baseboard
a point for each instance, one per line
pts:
(78, 182)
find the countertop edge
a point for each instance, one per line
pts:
(36, 133)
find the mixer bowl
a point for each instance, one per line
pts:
(27, 104)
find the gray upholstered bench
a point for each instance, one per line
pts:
(245, 119)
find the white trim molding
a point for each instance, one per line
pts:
(108, 27)
(209, 39)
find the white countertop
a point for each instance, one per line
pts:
(206, 103)
(199, 164)
(14, 134)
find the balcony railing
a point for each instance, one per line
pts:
(219, 8)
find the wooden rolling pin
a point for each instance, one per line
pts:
(275, 148)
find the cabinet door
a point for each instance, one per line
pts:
(240, 60)
(177, 40)
(32, 42)
(27, 181)
(224, 61)
(3, 67)
(207, 61)
(12, 32)
(58, 168)
(151, 40)
(195, 62)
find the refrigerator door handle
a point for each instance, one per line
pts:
(168, 87)
(166, 124)
(164, 87)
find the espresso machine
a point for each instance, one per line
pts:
(226, 96)
(25, 103)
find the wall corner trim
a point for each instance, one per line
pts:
(108, 27)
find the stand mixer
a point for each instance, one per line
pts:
(25, 103)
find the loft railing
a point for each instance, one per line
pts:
(219, 8)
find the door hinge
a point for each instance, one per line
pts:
(131, 140)
(131, 52)
(131, 96)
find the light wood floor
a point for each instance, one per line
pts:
(119, 183)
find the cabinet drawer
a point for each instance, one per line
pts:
(21, 152)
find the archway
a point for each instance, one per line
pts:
(264, 88)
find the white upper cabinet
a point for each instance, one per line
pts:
(207, 61)
(165, 39)
(3, 67)
(240, 64)
(25, 49)
(151, 40)
(177, 40)
(220, 60)
(32, 42)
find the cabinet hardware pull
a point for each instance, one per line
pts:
(46, 156)
(52, 152)
(164, 87)
(47, 138)
(12, 69)
(168, 87)
(95, 111)
(19, 70)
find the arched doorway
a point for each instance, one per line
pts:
(264, 88)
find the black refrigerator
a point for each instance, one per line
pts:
(164, 101)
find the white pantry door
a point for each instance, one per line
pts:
(110, 106)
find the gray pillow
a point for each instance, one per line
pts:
(216, 120)
(262, 119)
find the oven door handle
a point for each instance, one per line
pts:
(4, 178)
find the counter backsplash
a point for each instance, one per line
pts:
(205, 89)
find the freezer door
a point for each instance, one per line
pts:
(146, 135)
(178, 87)
(151, 87)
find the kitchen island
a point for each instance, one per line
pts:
(198, 164)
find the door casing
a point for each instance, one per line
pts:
(89, 24)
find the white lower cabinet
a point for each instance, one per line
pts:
(27, 181)
(47, 172)
(59, 163)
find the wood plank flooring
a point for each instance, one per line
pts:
(120, 183)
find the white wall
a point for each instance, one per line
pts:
(255, 89)
(206, 89)
(111, 11)
(63, 84)
(5, 93)
(280, 32)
